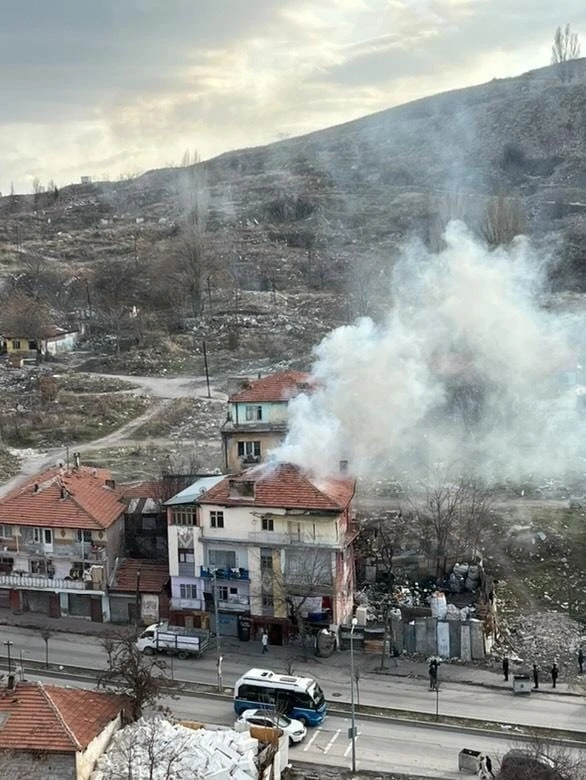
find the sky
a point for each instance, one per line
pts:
(112, 88)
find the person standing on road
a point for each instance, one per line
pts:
(554, 674)
(265, 641)
(432, 674)
(506, 668)
(535, 677)
(581, 660)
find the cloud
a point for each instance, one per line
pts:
(147, 78)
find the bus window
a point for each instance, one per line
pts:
(303, 700)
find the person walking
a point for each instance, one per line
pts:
(432, 674)
(265, 641)
(554, 674)
(506, 668)
(581, 660)
(488, 766)
(535, 677)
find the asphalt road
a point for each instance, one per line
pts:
(381, 746)
(547, 709)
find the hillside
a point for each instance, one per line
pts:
(326, 212)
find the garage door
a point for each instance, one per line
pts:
(80, 606)
(36, 601)
(121, 608)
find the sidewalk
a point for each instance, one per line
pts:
(282, 656)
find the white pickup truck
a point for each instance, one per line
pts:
(173, 640)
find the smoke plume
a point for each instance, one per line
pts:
(465, 369)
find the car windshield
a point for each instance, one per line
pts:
(282, 721)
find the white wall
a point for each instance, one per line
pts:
(86, 760)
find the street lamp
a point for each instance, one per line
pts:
(352, 709)
(219, 657)
(8, 644)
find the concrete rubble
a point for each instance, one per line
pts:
(156, 749)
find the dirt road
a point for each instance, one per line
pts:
(163, 389)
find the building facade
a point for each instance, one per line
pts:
(262, 547)
(61, 535)
(257, 418)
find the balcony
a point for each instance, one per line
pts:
(192, 604)
(270, 538)
(34, 582)
(239, 604)
(224, 574)
(72, 552)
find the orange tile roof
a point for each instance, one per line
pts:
(153, 576)
(285, 487)
(149, 489)
(272, 388)
(34, 716)
(88, 503)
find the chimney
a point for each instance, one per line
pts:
(343, 467)
(110, 483)
(63, 492)
(36, 487)
(11, 683)
(76, 461)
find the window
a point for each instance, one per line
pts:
(6, 531)
(268, 600)
(222, 559)
(15, 343)
(149, 524)
(266, 560)
(268, 524)
(183, 515)
(185, 555)
(188, 591)
(37, 535)
(249, 449)
(253, 413)
(217, 519)
(84, 536)
(222, 592)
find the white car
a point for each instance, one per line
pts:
(294, 729)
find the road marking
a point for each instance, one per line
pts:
(349, 748)
(332, 740)
(311, 741)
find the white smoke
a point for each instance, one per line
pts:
(465, 369)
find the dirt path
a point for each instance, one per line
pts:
(163, 389)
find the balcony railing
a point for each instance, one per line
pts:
(293, 539)
(32, 582)
(74, 552)
(241, 604)
(197, 604)
(224, 574)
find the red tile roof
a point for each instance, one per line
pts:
(34, 716)
(149, 489)
(283, 486)
(272, 388)
(153, 576)
(88, 503)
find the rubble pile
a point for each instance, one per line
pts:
(156, 749)
(542, 638)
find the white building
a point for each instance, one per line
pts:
(271, 541)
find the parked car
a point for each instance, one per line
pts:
(294, 729)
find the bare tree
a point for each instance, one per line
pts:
(117, 298)
(503, 220)
(26, 318)
(566, 47)
(451, 515)
(143, 679)
(539, 758)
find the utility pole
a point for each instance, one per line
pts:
(206, 369)
(8, 644)
(137, 602)
(219, 657)
(353, 710)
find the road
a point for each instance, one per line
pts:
(548, 710)
(163, 389)
(380, 746)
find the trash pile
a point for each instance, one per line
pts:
(464, 577)
(156, 749)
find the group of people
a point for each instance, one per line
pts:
(485, 768)
(554, 671)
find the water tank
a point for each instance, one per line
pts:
(361, 613)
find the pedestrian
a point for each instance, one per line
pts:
(265, 641)
(482, 770)
(506, 668)
(432, 674)
(535, 677)
(488, 765)
(554, 674)
(581, 660)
